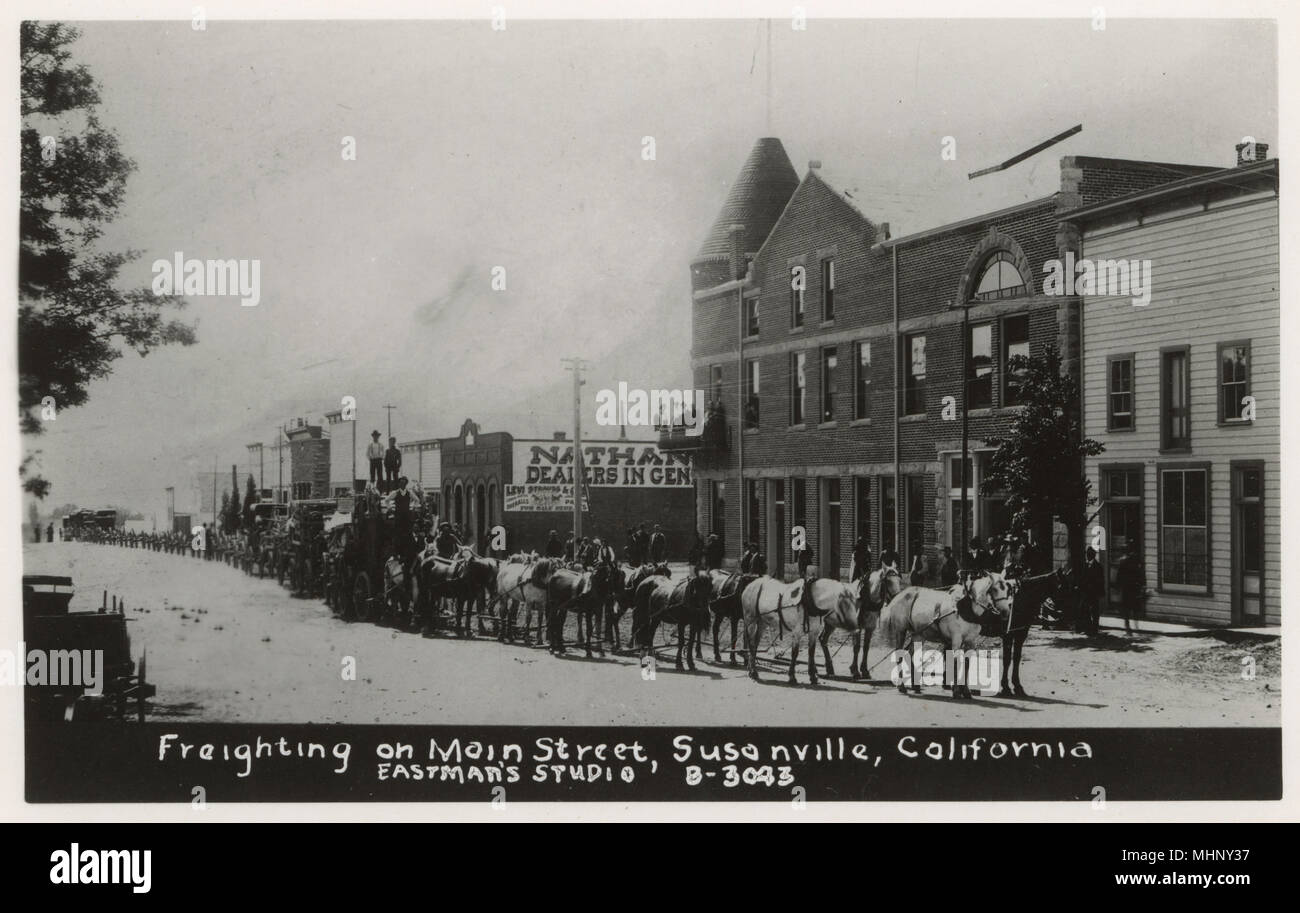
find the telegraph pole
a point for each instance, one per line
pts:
(171, 507)
(279, 455)
(577, 365)
(214, 494)
(390, 409)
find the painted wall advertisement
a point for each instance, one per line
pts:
(606, 464)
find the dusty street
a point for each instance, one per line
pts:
(226, 647)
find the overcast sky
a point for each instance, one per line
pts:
(522, 149)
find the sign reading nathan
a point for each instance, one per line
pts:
(618, 464)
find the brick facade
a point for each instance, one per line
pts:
(932, 274)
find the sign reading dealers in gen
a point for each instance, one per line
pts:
(543, 471)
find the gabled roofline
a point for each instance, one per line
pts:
(811, 175)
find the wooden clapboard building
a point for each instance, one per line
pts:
(1184, 392)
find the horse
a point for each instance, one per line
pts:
(684, 603)
(437, 577)
(583, 591)
(534, 593)
(623, 595)
(799, 608)
(874, 592)
(956, 618)
(725, 604)
(511, 577)
(1028, 598)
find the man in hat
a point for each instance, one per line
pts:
(375, 454)
(554, 547)
(713, 551)
(392, 464)
(446, 542)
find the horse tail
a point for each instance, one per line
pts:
(641, 614)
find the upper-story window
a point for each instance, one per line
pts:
(715, 383)
(914, 379)
(999, 279)
(862, 380)
(1175, 398)
(798, 280)
(1015, 343)
(751, 393)
(830, 361)
(1234, 381)
(751, 317)
(798, 387)
(828, 289)
(979, 369)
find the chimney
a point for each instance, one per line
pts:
(884, 231)
(1248, 153)
(736, 237)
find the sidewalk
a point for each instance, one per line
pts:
(1145, 626)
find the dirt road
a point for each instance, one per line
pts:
(226, 647)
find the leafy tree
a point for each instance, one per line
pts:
(73, 320)
(1039, 465)
(250, 498)
(235, 511)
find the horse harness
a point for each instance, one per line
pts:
(810, 609)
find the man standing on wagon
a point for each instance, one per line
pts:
(392, 464)
(375, 454)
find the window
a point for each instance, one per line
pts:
(914, 514)
(914, 381)
(1123, 483)
(1119, 393)
(752, 497)
(798, 387)
(751, 317)
(1184, 530)
(776, 531)
(1000, 279)
(751, 394)
(715, 383)
(830, 537)
(888, 514)
(862, 380)
(829, 362)
(1175, 392)
(828, 289)
(1234, 380)
(799, 507)
(961, 535)
(797, 282)
(301, 491)
(862, 497)
(718, 502)
(979, 369)
(1015, 342)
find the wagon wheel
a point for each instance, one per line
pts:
(361, 597)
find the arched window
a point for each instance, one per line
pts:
(999, 279)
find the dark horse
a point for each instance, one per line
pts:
(725, 605)
(623, 595)
(465, 579)
(1028, 598)
(685, 603)
(585, 593)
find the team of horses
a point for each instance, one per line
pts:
(799, 614)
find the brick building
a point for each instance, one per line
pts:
(525, 485)
(834, 353)
(309, 450)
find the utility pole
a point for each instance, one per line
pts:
(171, 507)
(352, 485)
(390, 409)
(279, 454)
(214, 494)
(577, 365)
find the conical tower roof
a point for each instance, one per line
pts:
(756, 201)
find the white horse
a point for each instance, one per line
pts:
(956, 618)
(798, 609)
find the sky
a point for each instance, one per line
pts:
(523, 149)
